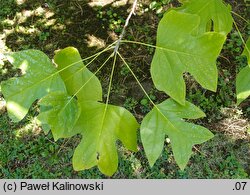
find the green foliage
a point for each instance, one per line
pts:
(40, 78)
(189, 39)
(27, 154)
(179, 51)
(166, 119)
(114, 20)
(144, 102)
(100, 124)
(158, 6)
(124, 71)
(7, 7)
(243, 78)
(60, 112)
(234, 43)
(214, 15)
(44, 36)
(78, 79)
(130, 103)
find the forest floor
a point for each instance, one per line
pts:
(26, 152)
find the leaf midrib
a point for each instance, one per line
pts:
(32, 85)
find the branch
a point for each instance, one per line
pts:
(125, 26)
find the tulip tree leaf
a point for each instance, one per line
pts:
(243, 78)
(39, 78)
(166, 119)
(212, 10)
(101, 127)
(179, 51)
(64, 110)
(60, 112)
(189, 39)
(76, 76)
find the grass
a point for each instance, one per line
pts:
(26, 152)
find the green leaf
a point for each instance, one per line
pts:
(166, 119)
(243, 78)
(210, 10)
(39, 79)
(77, 77)
(179, 51)
(246, 51)
(243, 84)
(101, 127)
(60, 112)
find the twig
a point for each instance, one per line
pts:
(202, 153)
(125, 26)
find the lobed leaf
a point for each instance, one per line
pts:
(60, 112)
(78, 79)
(179, 51)
(39, 78)
(213, 14)
(166, 119)
(101, 127)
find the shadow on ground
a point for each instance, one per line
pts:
(55, 24)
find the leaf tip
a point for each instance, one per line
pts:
(211, 136)
(239, 100)
(151, 163)
(181, 101)
(109, 171)
(182, 165)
